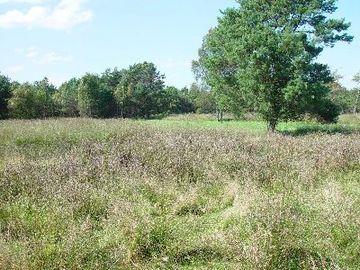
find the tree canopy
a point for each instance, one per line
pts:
(136, 92)
(357, 93)
(261, 56)
(5, 95)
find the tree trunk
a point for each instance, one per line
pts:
(271, 125)
(220, 115)
(274, 113)
(356, 102)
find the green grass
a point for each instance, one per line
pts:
(347, 124)
(247, 126)
(184, 192)
(42, 132)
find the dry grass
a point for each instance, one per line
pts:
(91, 194)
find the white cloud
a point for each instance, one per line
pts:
(52, 57)
(21, 1)
(43, 58)
(32, 53)
(66, 14)
(14, 69)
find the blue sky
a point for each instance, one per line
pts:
(61, 39)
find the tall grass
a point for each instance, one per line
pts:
(92, 194)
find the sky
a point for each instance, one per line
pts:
(62, 39)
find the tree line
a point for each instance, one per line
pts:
(136, 92)
(347, 100)
(260, 58)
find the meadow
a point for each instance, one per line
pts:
(183, 192)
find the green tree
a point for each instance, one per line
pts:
(138, 91)
(342, 97)
(5, 94)
(172, 100)
(44, 91)
(30, 101)
(23, 103)
(202, 99)
(66, 98)
(111, 78)
(94, 99)
(357, 94)
(262, 56)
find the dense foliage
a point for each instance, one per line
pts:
(32, 100)
(348, 101)
(261, 57)
(5, 94)
(136, 92)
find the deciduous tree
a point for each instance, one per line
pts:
(94, 99)
(66, 98)
(357, 93)
(138, 90)
(5, 95)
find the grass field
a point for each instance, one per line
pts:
(179, 193)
